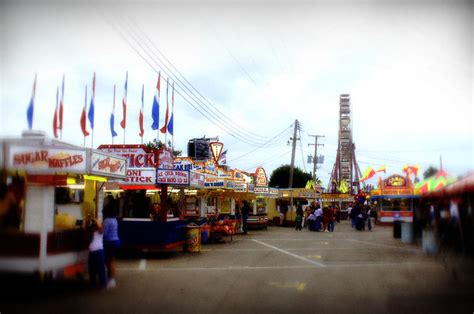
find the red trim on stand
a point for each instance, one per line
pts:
(47, 180)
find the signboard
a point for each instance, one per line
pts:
(216, 149)
(210, 167)
(251, 187)
(240, 187)
(47, 160)
(137, 155)
(229, 184)
(259, 189)
(395, 181)
(165, 158)
(104, 164)
(197, 179)
(260, 177)
(173, 177)
(214, 182)
(183, 163)
(335, 197)
(308, 194)
(140, 177)
(273, 191)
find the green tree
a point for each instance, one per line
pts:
(280, 177)
(429, 172)
(159, 144)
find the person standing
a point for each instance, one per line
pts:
(319, 217)
(111, 241)
(96, 255)
(331, 218)
(245, 215)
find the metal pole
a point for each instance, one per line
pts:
(315, 158)
(292, 165)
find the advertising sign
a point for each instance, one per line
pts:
(137, 156)
(104, 164)
(165, 158)
(259, 189)
(396, 181)
(240, 187)
(173, 177)
(46, 160)
(197, 179)
(140, 177)
(260, 177)
(183, 163)
(214, 183)
(216, 149)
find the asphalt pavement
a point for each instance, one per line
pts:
(279, 270)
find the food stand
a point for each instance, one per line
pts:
(303, 196)
(149, 220)
(396, 199)
(57, 186)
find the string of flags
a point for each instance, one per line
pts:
(370, 172)
(88, 112)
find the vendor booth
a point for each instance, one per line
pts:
(396, 199)
(52, 188)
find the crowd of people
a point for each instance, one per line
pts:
(362, 213)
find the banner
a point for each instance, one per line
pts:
(172, 177)
(104, 164)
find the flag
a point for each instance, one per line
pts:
(112, 118)
(90, 115)
(155, 109)
(30, 110)
(123, 123)
(163, 129)
(55, 118)
(382, 169)
(369, 173)
(223, 158)
(140, 118)
(170, 123)
(411, 169)
(83, 117)
(61, 107)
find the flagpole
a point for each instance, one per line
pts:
(85, 105)
(61, 110)
(172, 114)
(113, 112)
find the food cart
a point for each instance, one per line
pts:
(396, 199)
(55, 187)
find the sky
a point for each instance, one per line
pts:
(245, 70)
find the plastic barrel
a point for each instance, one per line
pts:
(193, 239)
(429, 242)
(407, 232)
(205, 233)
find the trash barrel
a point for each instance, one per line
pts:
(193, 238)
(397, 229)
(205, 233)
(407, 232)
(429, 242)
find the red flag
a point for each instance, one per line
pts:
(123, 123)
(83, 117)
(61, 107)
(140, 119)
(55, 118)
(163, 129)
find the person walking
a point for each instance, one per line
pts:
(96, 254)
(331, 218)
(111, 240)
(245, 215)
(319, 217)
(299, 217)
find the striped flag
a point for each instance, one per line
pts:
(170, 123)
(31, 106)
(223, 158)
(369, 173)
(382, 169)
(83, 117)
(140, 118)
(61, 107)
(123, 123)
(155, 109)
(90, 114)
(55, 118)
(112, 118)
(165, 126)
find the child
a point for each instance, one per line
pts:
(96, 255)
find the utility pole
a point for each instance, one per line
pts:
(292, 166)
(315, 158)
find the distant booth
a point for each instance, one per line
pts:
(284, 214)
(49, 191)
(396, 199)
(341, 200)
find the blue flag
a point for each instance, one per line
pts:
(112, 122)
(90, 114)
(170, 125)
(30, 110)
(155, 109)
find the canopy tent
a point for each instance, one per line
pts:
(435, 182)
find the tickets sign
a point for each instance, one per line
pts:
(172, 177)
(137, 156)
